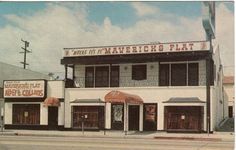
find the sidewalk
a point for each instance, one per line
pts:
(216, 136)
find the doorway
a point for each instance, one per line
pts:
(134, 117)
(52, 118)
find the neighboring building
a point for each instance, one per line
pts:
(143, 87)
(228, 83)
(10, 72)
(34, 104)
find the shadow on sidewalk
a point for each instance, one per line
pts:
(142, 132)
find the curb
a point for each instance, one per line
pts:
(82, 136)
(188, 138)
(129, 136)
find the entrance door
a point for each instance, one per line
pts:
(134, 117)
(52, 118)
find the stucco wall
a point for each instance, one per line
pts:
(54, 89)
(229, 89)
(148, 94)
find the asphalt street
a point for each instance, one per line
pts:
(85, 143)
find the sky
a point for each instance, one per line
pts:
(52, 26)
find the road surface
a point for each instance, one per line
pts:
(83, 143)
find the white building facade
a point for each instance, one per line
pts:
(34, 104)
(146, 87)
(169, 78)
(11, 72)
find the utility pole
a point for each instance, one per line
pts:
(25, 52)
(208, 22)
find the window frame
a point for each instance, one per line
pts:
(170, 73)
(139, 72)
(18, 114)
(87, 70)
(102, 81)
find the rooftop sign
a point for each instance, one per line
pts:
(24, 89)
(138, 49)
(208, 17)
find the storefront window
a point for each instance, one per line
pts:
(117, 116)
(91, 116)
(150, 117)
(150, 112)
(26, 114)
(117, 113)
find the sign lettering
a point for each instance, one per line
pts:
(138, 49)
(20, 89)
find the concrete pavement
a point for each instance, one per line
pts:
(216, 136)
(81, 143)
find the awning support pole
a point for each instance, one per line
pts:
(105, 116)
(126, 118)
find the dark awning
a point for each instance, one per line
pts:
(87, 101)
(135, 58)
(184, 100)
(122, 97)
(51, 101)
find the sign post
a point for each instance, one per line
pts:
(2, 123)
(208, 22)
(82, 119)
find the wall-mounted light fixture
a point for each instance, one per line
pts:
(126, 68)
(151, 66)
